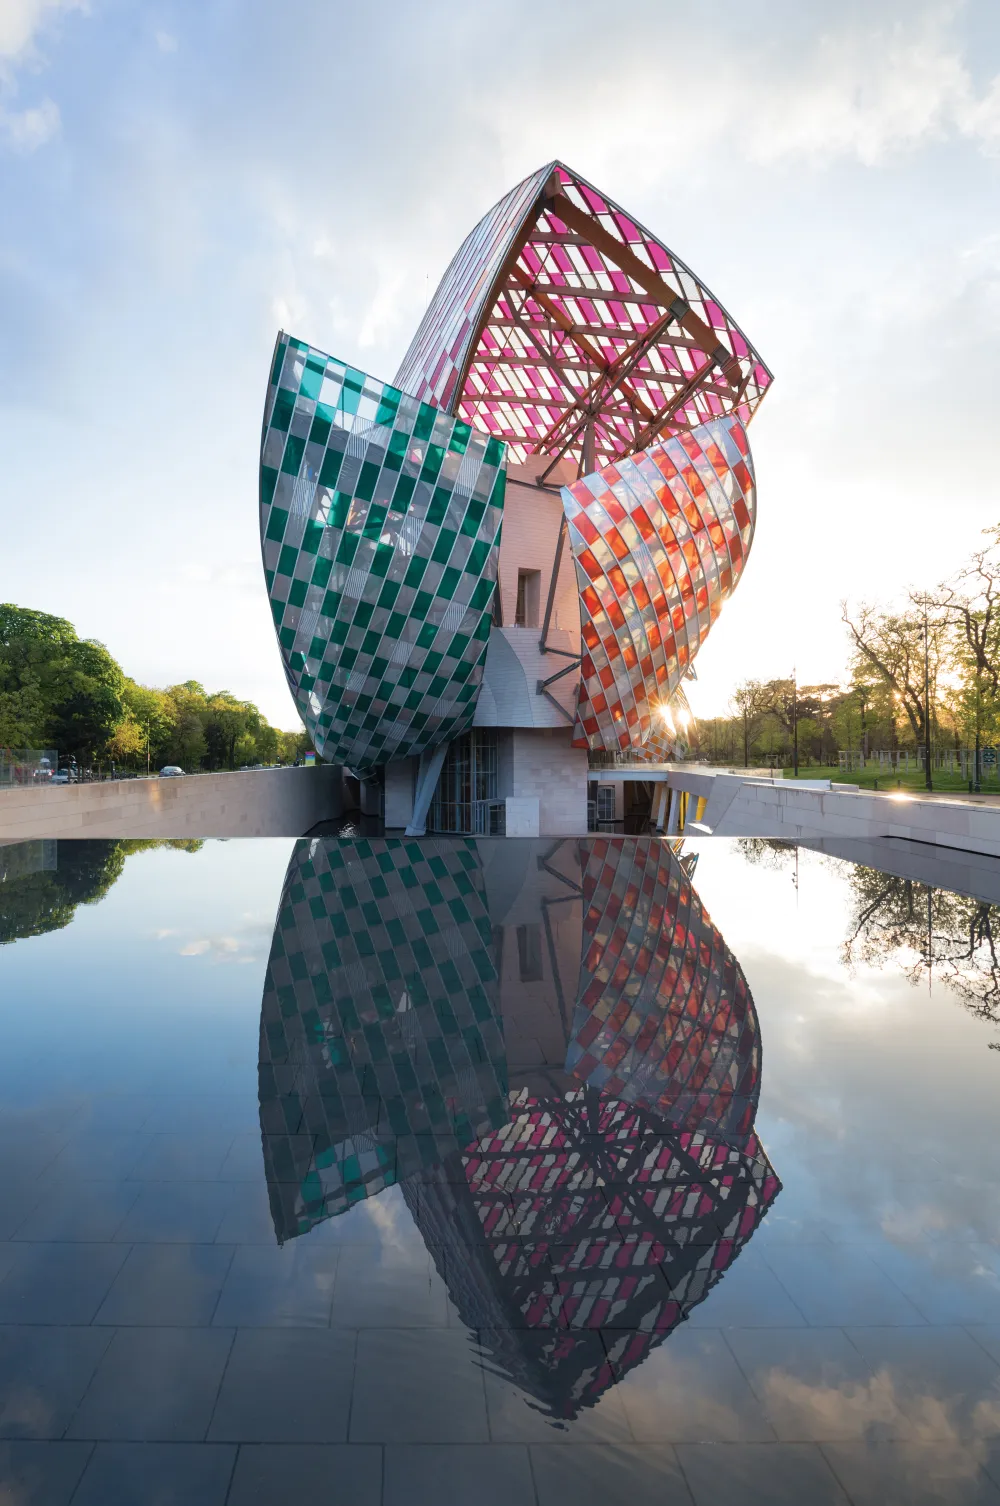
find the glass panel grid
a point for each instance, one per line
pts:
(380, 529)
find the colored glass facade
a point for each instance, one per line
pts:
(659, 541)
(559, 301)
(561, 329)
(380, 526)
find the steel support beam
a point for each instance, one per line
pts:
(428, 774)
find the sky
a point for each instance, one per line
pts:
(178, 181)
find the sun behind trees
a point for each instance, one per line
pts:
(896, 699)
(60, 691)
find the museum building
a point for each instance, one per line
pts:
(490, 578)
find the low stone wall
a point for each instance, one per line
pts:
(257, 803)
(739, 807)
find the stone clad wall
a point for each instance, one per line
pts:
(546, 767)
(258, 803)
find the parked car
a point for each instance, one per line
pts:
(62, 777)
(170, 771)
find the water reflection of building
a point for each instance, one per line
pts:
(380, 1045)
(593, 1165)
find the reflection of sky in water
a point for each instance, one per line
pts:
(879, 1110)
(880, 1101)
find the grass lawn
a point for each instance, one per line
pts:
(867, 779)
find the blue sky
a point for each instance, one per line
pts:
(179, 180)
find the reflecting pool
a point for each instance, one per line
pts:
(477, 1171)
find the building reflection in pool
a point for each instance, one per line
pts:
(552, 1050)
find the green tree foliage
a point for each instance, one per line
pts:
(35, 899)
(897, 922)
(56, 690)
(60, 691)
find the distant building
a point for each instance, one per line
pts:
(503, 564)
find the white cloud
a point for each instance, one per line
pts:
(22, 20)
(26, 130)
(165, 42)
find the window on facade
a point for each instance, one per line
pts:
(529, 584)
(468, 784)
(605, 802)
(529, 953)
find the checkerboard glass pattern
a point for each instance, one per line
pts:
(583, 1215)
(381, 1048)
(380, 523)
(663, 1015)
(538, 321)
(659, 541)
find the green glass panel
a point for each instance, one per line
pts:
(348, 549)
(284, 406)
(330, 469)
(373, 522)
(443, 547)
(331, 601)
(311, 537)
(366, 481)
(459, 442)
(383, 559)
(432, 662)
(279, 356)
(286, 560)
(433, 460)
(424, 426)
(291, 461)
(482, 595)
(320, 431)
(403, 492)
(276, 524)
(426, 635)
(388, 593)
(297, 594)
(371, 641)
(268, 479)
(494, 451)
(312, 380)
(363, 614)
(478, 555)
(321, 571)
(439, 505)
(394, 627)
(339, 509)
(415, 571)
(388, 406)
(449, 583)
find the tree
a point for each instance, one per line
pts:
(970, 604)
(66, 691)
(891, 645)
(127, 742)
(897, 921)
(751, 701)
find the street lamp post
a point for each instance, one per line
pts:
(795, 723)
(927, 706)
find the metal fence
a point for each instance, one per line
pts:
(21, 766)
(476, 818)
(902, 760)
